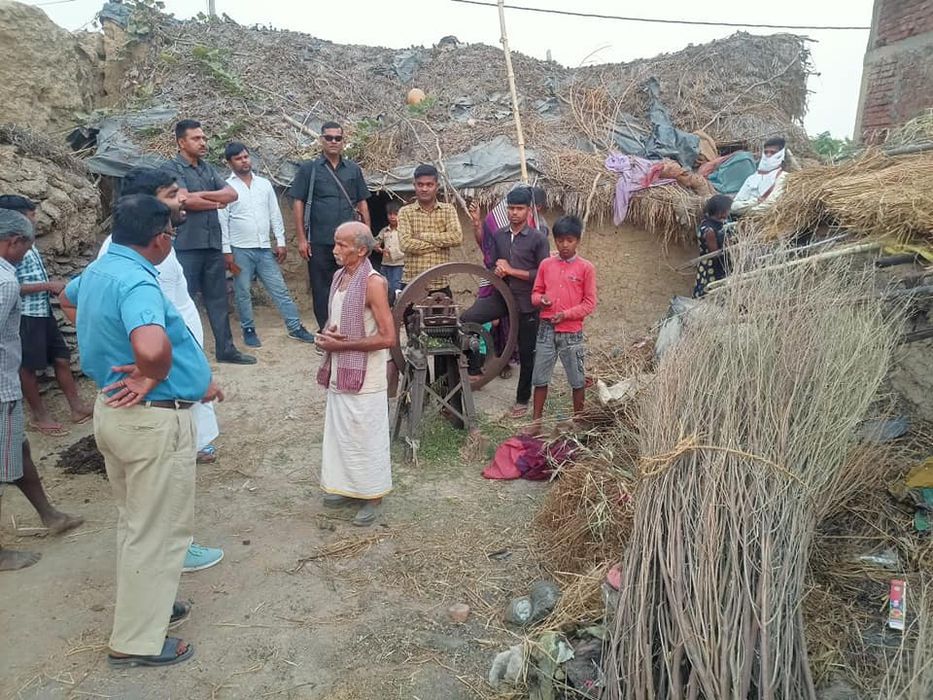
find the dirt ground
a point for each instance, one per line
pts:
(365, 615)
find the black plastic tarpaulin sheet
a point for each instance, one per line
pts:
(486, 164)
(116, 154)
(663, 140)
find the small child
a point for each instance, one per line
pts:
(711, 237)
(565, 291)
(393, 259)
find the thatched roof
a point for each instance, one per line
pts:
(260, 85)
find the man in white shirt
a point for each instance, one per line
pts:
(763, 187)
(245, 225)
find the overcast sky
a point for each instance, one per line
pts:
(837, 55)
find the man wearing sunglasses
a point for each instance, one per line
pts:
(327, 191)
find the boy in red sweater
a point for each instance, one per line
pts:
(565, 291)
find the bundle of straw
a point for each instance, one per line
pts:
(671, 212)
(874, 196)
(586, 517)
(918, 130)
(744, 437)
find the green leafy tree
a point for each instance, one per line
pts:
(830, 149)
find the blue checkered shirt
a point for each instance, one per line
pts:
(32, 271)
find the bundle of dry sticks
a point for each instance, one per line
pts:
(744, 436)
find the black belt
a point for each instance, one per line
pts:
(169, 403)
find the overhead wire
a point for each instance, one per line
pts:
(658, 20)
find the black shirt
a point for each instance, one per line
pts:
(201, 228)
(330, 207)
(524, 252)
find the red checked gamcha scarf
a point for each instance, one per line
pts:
(351, 364)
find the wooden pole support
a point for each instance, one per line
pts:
(513, 91)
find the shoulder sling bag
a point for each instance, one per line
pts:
(313, 175)
(356, 214)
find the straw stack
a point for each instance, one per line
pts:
(875, 196)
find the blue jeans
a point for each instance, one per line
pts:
(262, 263)
(393, 275)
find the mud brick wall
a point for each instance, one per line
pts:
(897, 78)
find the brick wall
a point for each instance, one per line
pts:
(897, 79)
(901, 19)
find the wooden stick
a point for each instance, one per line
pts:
(905, 150)
(917, 335)
(589, 200)
(697, 260)
(828, 255)
(301, 127)
(717, 253)
(513, 91)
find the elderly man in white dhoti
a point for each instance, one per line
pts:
(355, 468)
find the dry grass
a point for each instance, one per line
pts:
(670, 212)
(874, 195)
(272, 79)
(32, 144)
(347, 548)
(744, 457)
(844, 606)
(918, 130)
(579, 183)
(581, 601)
(702, 89)
(586, 517)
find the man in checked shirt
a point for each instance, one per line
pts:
(43, 344)
(427, 230)
(16, 466)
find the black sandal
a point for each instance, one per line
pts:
(169, 656)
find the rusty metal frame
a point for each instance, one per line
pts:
(417, 290)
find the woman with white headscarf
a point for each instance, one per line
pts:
(763, 187)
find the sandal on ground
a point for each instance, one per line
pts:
(506, 373)
(208, 455)
(60, 431)
(367, 514)
(180, 612)
(171, 654)
(519, 410)
(335, 500)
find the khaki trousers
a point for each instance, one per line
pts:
(150, 457)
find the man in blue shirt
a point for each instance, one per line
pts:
(136, 347)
